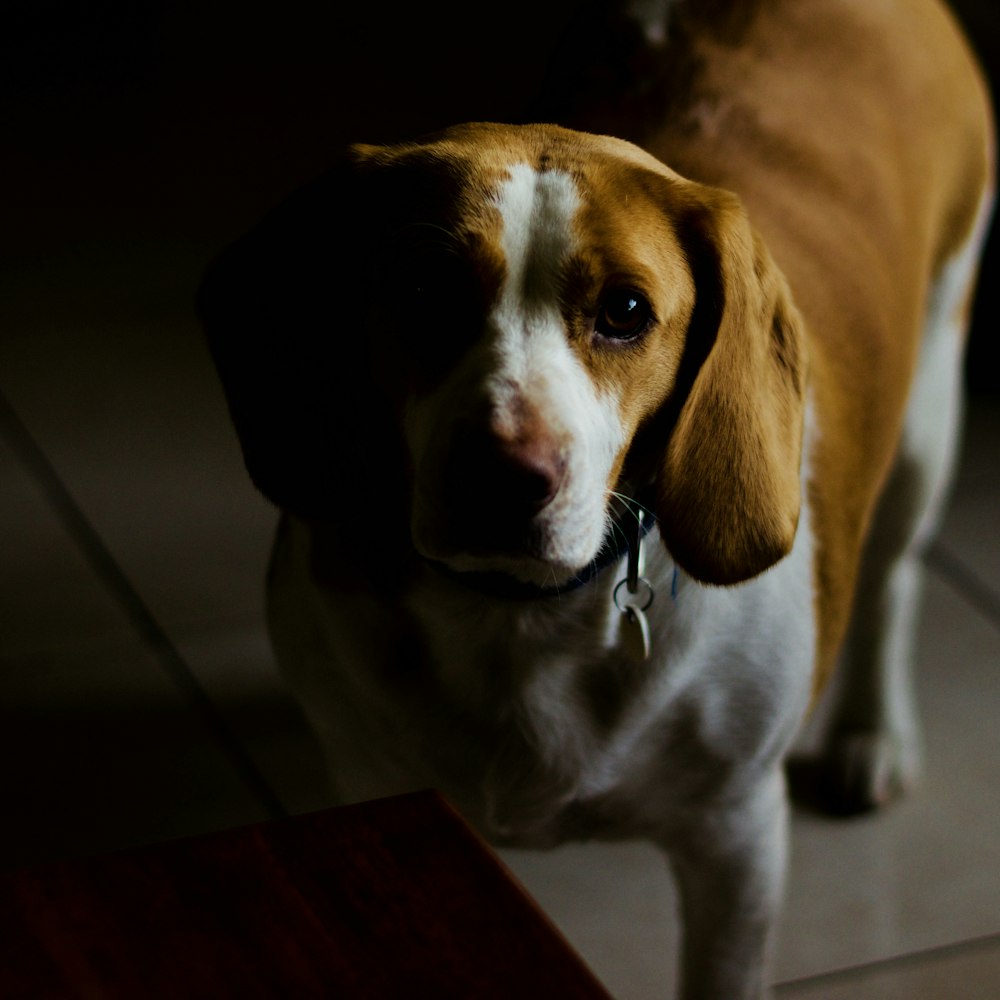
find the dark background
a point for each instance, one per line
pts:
(163, 129)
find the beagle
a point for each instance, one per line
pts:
(588, 446)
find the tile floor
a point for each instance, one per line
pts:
(139, 701)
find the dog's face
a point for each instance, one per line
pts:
(547, 320)
(542, 313)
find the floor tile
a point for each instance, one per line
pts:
(105, 737)
(925, 872)
(966, 972)
(121, 396)
(100, 746)
(122, 400)
(615, 904)
(48, 592)
(100, 751)
(235, 667)
(970, 529)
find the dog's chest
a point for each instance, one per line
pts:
(565, 710)
(534, 717)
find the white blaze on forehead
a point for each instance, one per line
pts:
(537, 209)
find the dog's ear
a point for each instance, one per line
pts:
(284, 312)
(728, 491)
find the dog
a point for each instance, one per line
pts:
(597, 446)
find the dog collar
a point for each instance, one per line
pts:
(622, 540)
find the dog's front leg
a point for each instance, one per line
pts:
(730, 868)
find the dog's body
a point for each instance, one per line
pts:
(562, 326)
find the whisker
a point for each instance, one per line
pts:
(617, 530)
(632, 505)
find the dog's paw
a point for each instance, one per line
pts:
(865, 770)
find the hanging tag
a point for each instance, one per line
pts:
(632, 596)
(632, 603)
(635, 634)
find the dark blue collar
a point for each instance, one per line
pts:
(615, 548)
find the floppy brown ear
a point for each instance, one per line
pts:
(728, 490)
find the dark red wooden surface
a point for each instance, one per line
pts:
(395, 898)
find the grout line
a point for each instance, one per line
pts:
(905, 960)
(967, 582)
(107, 568)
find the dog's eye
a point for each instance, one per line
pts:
(624, 315)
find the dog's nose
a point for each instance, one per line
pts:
(530, 473)
(519, 475)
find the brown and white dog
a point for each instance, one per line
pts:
(475, 369)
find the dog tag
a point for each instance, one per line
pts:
(635, 634)
(632, 596)
(632, 601)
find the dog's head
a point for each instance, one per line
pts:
(503, 327)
